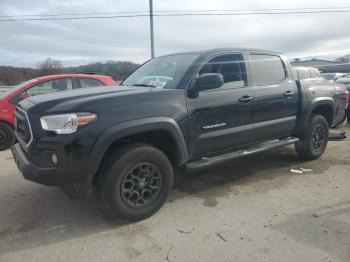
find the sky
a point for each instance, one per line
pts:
(77, 42)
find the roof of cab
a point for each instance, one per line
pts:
(218, 50)
(208, 52)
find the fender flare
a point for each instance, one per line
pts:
(306, 114)
(133, 127)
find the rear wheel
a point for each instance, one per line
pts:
(135, 182)
(314, 139)
(6, 136)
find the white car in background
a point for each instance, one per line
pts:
(333, 76)
(345, 80)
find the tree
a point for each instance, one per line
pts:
(10, 75)
(50, 66)
(343, 59)
(118, 70)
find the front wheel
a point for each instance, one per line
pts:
(6, 136)
(135, 182)
(313, 141)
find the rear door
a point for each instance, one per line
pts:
(275, 103)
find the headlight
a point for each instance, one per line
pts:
(66, 123)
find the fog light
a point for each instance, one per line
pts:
(54, 159)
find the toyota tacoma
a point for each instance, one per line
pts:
(189, 110)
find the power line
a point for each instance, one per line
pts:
(139, 13)
(257, 10)
(77, 14)
(176, 15)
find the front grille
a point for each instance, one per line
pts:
(22, 127)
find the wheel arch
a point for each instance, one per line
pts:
(324, 106)
(150, 130)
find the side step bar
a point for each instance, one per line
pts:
(208, 161)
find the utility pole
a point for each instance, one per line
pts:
(151, 26)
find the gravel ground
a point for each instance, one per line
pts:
(253, 209)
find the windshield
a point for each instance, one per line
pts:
(162, 72)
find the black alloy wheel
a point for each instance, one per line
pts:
(318, 138)
(141, 185)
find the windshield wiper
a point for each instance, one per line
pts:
(146, 85)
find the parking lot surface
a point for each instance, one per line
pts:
(252, 209)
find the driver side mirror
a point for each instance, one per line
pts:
(207, 81)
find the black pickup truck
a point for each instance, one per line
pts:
(184, 110)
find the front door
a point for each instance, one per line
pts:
(221, 119)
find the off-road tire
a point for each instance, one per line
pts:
(118, 167)
(313, 140)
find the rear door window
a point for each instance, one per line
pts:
(231, 67)
(267, 69)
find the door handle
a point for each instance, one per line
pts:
(245, 99)
(288, 94)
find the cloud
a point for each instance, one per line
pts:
(83, 41)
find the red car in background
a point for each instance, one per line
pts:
(39, 86)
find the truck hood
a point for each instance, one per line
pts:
(71, 100)
(87, 93)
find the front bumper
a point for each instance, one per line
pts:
(46, 176)
(49, 176)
